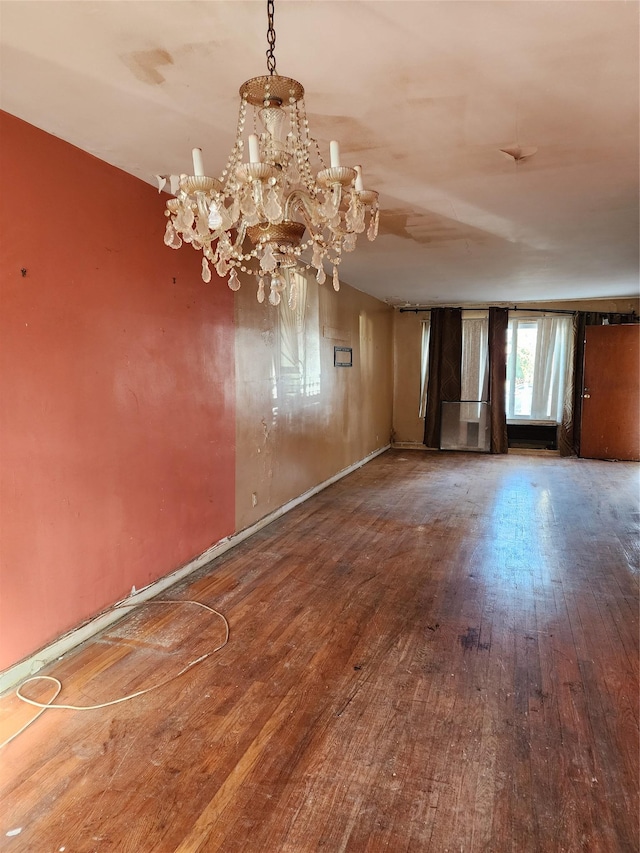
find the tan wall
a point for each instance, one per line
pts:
(295, 431)
(623, 305)
(408, 428)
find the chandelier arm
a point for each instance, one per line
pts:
(303, 200)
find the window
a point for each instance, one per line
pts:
(474, 366)
(537, 355)
(474, 369)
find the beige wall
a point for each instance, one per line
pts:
(407, 345)
(297, 426)
(408, 428)
(625, 305)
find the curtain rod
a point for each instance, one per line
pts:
(541, 310)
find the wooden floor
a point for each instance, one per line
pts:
(438, 653)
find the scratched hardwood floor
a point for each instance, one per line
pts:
(437, 653)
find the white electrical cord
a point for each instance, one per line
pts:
(51, 705)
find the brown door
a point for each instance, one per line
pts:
(611, 394)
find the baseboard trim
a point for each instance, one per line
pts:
(54, 651)
(410, 445)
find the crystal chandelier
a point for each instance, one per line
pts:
(254, 218)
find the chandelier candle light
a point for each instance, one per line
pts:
(254, 217)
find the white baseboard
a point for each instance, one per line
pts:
(23, 669)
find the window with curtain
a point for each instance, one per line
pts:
(424, 366)
(474, 365)
(475, 361)
(538, 349)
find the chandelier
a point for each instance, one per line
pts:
(271, 211)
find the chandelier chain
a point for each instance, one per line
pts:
(271, 38)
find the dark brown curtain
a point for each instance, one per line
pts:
(498, 322)
(445, 358)
(582, 321)
(566, 437)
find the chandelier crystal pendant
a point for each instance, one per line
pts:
(253, 219)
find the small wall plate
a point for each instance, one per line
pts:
(342, 357)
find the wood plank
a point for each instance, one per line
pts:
(437, 653)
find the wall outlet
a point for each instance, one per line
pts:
(254, 499)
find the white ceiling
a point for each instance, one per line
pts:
(422, 94)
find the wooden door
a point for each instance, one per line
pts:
(611, 393)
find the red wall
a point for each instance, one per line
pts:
(117, 420)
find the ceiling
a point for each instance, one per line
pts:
(422, 94)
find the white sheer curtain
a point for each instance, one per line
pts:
(424, 366)
(475, 362)
(550, 364)
(538, 366)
